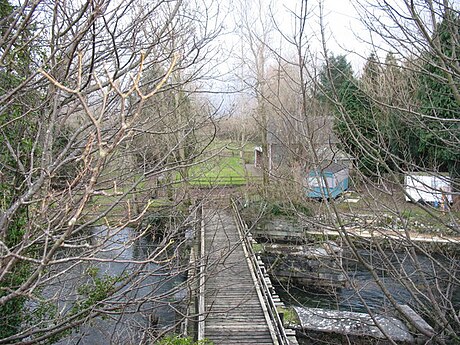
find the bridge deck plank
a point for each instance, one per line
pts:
(234, 314)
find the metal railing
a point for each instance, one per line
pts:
(277, 328)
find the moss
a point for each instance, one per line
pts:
(290, 317)
(274, 209)
(178, 340)
(97, 291)
(257, 248)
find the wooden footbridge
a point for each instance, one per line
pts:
(235, 301)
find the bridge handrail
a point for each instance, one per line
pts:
(201, 274)
(243, 230)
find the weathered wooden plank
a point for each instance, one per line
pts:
(233, 311)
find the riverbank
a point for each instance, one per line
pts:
(385, 262)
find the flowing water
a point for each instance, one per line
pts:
(147, 302)
(364, 294)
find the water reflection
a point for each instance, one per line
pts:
(148, 301)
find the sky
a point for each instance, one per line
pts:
(344, 31)
(343, 34)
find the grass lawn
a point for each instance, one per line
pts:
(219, 171)
(223, 169)
(132, 200)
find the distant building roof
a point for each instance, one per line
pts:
(332, 167)
(328, 153)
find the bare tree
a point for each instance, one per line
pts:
(254, 30)
(423, 36)
(399, 117)
(73, 97)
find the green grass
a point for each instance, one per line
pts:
(258, 248)
(290, 317)
(224, 169)
(230, 148)
(100, 203)
(178, 340)
(219, 171)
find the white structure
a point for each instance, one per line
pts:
(428, 187)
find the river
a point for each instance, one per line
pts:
(148, 302)
(364, 294)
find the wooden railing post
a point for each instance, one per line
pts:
(276, 325)
(201, 275)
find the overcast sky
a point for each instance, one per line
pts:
(344, 31)
(340, 19)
